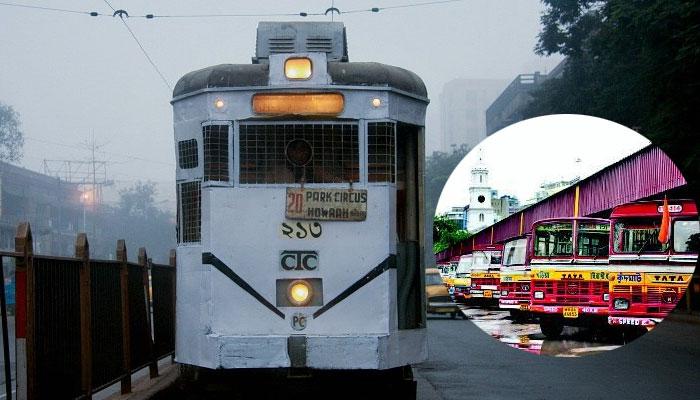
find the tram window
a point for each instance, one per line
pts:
(187, 153)
(515, 252)
(553, 240)
(686, 236)
(593, 239)
(215, 152)
(334, 152)
(381, 165)
(637, 236)
(190, 207)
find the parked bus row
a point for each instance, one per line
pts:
(628, 271)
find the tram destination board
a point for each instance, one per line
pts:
(326, 204)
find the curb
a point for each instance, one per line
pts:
(146, 388)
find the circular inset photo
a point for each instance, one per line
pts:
(566, 235)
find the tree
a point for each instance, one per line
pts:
(11, 136)
(438, 168)
(446, 233)
(633, 62)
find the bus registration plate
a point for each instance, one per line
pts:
(570, 312)
(488, 293)
(524, 307)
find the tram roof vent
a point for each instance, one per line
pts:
(301, 37)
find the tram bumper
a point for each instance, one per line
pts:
(313, 351)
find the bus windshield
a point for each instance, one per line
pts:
(514, 252)
(638, 235)
(465, 264)
(593, 239)
(554, 239)
(686, 236)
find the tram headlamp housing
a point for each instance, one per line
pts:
(305, 292)
(297, 68)
(621, 304)
(539, 295)
(219, 104)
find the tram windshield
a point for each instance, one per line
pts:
(554, 239)
(464, 266)
(686, 236)
(638, 235)
(593, 239)
(515, 252)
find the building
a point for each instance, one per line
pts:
(463, 103)
(504, 205)
(508, 106)
(457, 215)
(479, 213)
(50, 205)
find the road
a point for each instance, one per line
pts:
(466, 363)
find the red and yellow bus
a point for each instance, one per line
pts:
(569, 269)
(650, 270)
(486, 274)
(515, 277)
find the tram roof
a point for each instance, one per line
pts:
(369, 74)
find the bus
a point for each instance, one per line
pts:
(569, 268)
(649, 273)
(485, 274)
(515, 277)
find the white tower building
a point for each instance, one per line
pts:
(480, 212)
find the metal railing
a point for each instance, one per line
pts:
(82, 325)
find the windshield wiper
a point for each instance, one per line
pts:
(644, 246)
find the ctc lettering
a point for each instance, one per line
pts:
(299, 260)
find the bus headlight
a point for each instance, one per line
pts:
(504, 293)
(299, 293)
(297, 68)
(539, 295)
(621, 304)
(606, 296)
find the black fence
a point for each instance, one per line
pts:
(82, 325)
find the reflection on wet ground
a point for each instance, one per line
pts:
(526, 335)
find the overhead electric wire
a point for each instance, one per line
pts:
(377, 9)
(145, 53)
(63, 10)
(110, 6)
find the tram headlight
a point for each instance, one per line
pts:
(539, 295)
(621, 304)
(297, 68)
(376, 102)
(299, 293)
(219, 104)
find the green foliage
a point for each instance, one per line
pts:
(446, 233)
(633, 62)
(11, 136)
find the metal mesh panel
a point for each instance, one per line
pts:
(162, 277)
(191, 201)
(138, 322)
(215, 152)
(335, 157)
(57, 327)
(381, 166)
(187, 153)
(106, 329)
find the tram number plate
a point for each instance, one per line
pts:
(570, 312)
(524, 307)
(488, 293)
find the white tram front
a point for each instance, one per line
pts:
(300, 219)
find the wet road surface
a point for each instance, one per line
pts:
(465, 363)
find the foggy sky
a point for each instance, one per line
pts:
(71, 76)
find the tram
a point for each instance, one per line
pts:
(650, 270)
(300, 208)
(515, 277)
(569, 269)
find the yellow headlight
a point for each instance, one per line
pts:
(297, 68)
(299, 292)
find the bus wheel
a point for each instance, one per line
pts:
(551, 327)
